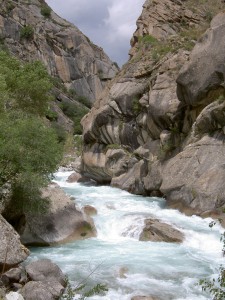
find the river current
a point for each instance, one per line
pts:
(128, 266)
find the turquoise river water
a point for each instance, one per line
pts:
(166, 270)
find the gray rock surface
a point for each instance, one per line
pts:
(39, 290)
(197, 83)
(166, 109)
(194, 178)
(61, 223)
(157, 231)
(46, 271)
(14, 274)
(61, 46)
(12, 252)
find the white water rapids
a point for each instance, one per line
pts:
(166, 270)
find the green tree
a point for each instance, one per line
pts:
(29, 149)
(26, 86)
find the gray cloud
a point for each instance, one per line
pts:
(108, 23)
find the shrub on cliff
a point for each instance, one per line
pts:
(46, 11)
(75, 113)
(27, 32)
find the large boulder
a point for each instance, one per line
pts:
(194, 179)
(47, 282)
(45, 270)
(12, 252)
(157, 231)
(205, 72)
(60, 223)
(39, 290)
(131, 181)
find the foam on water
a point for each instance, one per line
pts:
(130, 267)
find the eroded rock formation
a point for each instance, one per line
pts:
(158, 127)
(67, 53)
(12, 252)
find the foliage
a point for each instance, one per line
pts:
(136, 106)
(75, 113)
(26, 87)
(60, 132)
(216, 286)
(71, 292)
(84, 100)
(10, 6)
(27, 32)
(29, 150)
(51, 115)
(113, 146)
(116, 65)
(46, 11)
(147, 39)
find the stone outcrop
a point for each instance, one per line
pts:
(62, 47)
(164, 111)
(197, 83)
(12, 252)
(39, 280)
(45, 270)
(61, 223)
(157, 231)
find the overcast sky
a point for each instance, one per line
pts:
(108, 23)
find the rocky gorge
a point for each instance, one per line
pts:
(156, 127)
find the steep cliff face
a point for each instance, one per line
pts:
(157, 128)
(31, 30)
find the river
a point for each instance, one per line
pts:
(166, 270)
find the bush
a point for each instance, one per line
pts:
(75, 113)
(60, 132)
(10, 6)
(26, 87)
(148, 39)
(27, 32)
(51, 115)
(84, 100)
(46, 11)
(29, 150)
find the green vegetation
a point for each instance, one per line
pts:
(98, 289)
(46, 11)
(136, 106)
(75, 113)
(84, 101)
(216, 286)
(51, 115)
(10, 6)
(29, 149)
(113, 146)
(27, 32)
(148, 39)
(185, 38)
(116, 65)
(158, 48)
